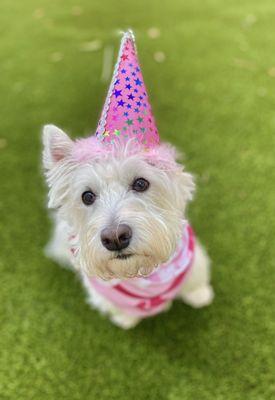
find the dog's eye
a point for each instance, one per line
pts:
(140, 185)
(88, 198)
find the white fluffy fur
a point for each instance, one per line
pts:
(155, 216)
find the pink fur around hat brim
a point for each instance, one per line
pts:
(91, 149)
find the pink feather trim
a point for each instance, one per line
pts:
(91, 149)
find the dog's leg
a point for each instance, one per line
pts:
(57, 249)
(99, 303)
(197, 290)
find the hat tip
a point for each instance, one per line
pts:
(128, 34)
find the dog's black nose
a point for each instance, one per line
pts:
(116, 238)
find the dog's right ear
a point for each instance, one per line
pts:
(57, 145)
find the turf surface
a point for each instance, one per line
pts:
(214, 97)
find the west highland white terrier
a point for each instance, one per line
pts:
(120, 199)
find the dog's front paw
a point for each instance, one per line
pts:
(200, 297)
(125, 321)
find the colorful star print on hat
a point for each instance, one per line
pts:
(127, 112)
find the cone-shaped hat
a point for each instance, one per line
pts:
(127, 112)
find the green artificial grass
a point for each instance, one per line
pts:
(214, 97)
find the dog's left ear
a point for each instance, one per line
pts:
(57, 145)
(184, 188)
(165, 156)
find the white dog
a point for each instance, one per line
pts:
(120, 210)
(109, 194)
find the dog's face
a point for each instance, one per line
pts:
(128, 214)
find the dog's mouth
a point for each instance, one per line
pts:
(128, 265)
(123, 256)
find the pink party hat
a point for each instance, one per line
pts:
(127, 112)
